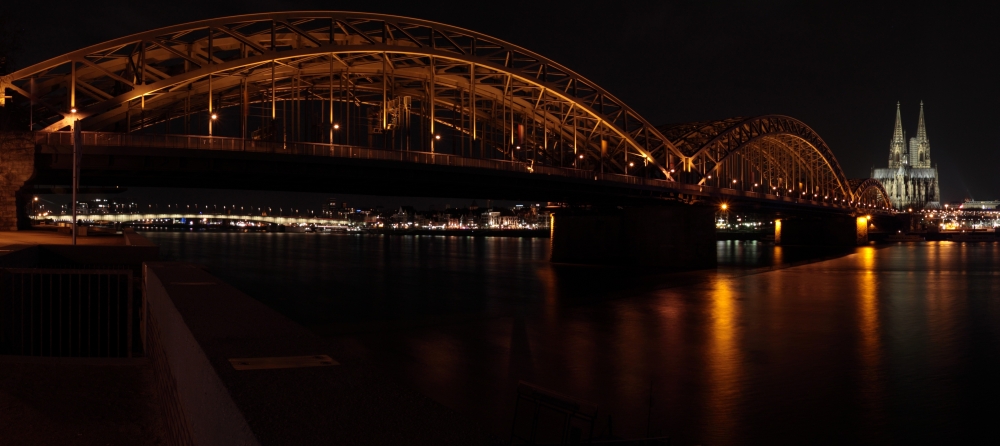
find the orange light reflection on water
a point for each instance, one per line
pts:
(870, 343)
(725, 367)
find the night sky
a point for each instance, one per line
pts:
(839, 68)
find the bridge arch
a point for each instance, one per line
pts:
(348, 78)
(398, 83)
(869, 193)
(771, 154)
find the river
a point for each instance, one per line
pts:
(874, 345)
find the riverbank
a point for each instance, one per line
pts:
(66, 398)
(181, 385)
(468, 232)
(52, 237)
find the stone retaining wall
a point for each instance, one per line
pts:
(17, 165)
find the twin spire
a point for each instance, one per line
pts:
(917, 152)
(897, 133)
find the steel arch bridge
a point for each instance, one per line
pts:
(870, 193)
(405, 84)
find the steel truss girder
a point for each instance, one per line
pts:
(870, 191)
(734, 138)
(147, 70)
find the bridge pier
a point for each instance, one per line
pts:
(17, 166)
(827, 231)
(670, 236)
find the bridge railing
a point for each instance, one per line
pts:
(101, 139)
(221, 143)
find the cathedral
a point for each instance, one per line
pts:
(910, 180)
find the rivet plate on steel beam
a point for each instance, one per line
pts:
(282, 362)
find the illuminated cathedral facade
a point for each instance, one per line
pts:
(910, 180)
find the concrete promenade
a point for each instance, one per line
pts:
(78, 401)
(51, 237)
(186, 390)
(199, 324)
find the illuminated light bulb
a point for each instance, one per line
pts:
(215, 116)
(72, 110)
(336, 126)
(630, 164)
(437, 136)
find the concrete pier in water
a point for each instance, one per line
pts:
(670, 236)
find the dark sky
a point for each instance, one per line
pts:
(839, 68)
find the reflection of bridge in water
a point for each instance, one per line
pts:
(387, 105)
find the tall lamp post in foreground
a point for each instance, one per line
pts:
(77, 151)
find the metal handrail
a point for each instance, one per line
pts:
(67, 312)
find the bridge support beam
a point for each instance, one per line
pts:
(669, 237)
(827, 231)
(17, 165)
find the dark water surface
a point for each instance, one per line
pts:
(899, 344)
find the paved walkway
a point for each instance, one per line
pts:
(78, 401)
(51, 237)
(352, 403)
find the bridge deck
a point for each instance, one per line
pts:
(225, 144)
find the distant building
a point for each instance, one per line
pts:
(980, 205)
(404, 215)
(330, 205)
(490, 219)
(509, 221)
(910, 180)
(336, 209)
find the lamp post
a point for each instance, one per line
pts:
(77, 152)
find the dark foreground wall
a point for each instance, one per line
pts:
(670, 236)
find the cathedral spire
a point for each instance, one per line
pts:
(897, 132)
(921, 129)
(920, 147)
(897, 148)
